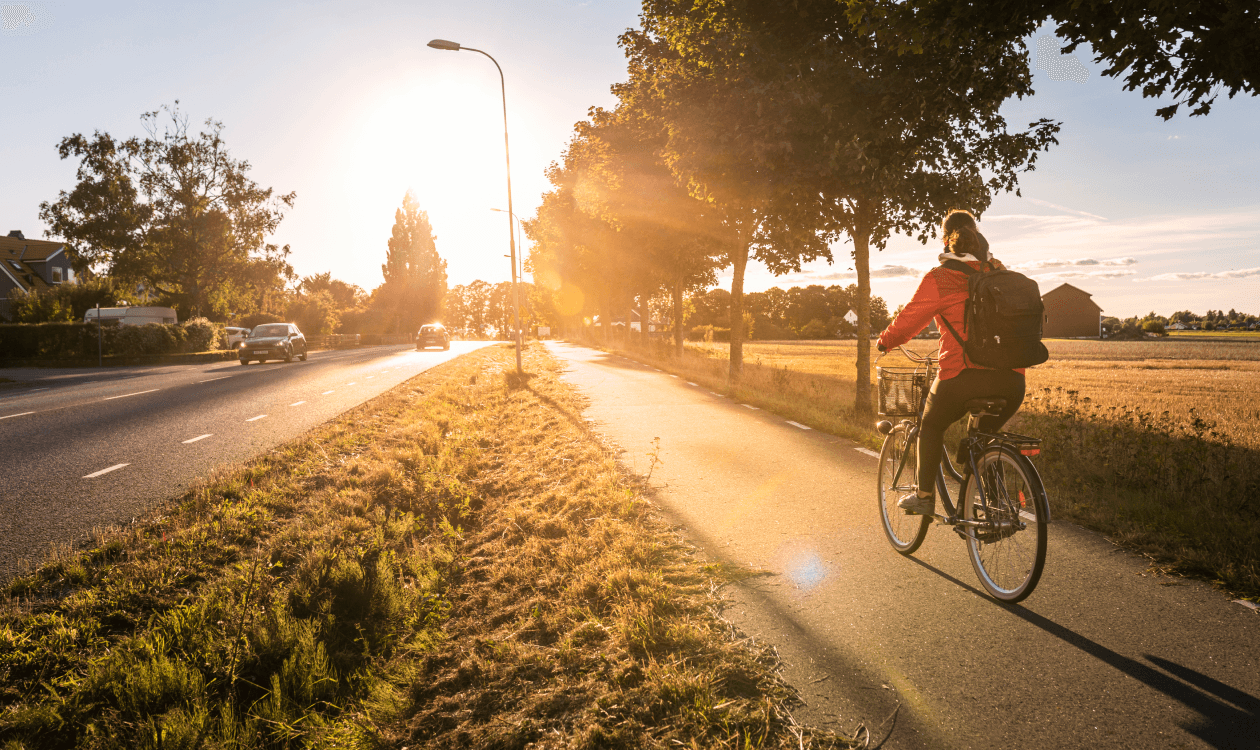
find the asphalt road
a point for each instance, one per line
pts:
(1103, 654)
(88, 448)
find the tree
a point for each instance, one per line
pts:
(415, 275)
(701, 70)
(1192, 51)
(66, 301)
(315, 313)
(173, 212)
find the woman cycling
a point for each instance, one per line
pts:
(942, 294)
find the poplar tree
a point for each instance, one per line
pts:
(415, 275)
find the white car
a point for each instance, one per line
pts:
(236, 336)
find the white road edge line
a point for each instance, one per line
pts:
(38, 389)
(125, 395)
(325, 393)
(255, 419)
(105, 471)
(717, 394)
(749, 406)
(867, 451)
(199, 437)
(211, 380)
(11, 416)
(297, 403)
(798, 425)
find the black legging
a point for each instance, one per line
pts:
(945, 406)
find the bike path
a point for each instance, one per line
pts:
(1103, 654)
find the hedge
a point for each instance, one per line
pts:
(79, 340)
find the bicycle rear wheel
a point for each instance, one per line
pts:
(904, 532)
(1008, 551)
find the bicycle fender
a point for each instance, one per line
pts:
(1039, 489)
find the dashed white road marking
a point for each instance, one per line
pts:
(692, 384)
(352, 382)
(125, 395)
(115, 467)
(797, 425)
(255, 419)
(716, 394)
(325, 393)
(11, 416)
(38, 389)
(211, 380)
(749, 406)
(867, 451)
(673, 376)
(199, 437)
(369, 377)
(297, 403)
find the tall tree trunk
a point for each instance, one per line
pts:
(862, 261)
(605, 319)
(629, 309)
(678, 321)
(645, 318)
(739, 259)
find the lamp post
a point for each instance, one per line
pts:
(516, 294)
(520, 270)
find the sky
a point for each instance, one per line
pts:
(344, 104)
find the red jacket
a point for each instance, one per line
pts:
(942, 293)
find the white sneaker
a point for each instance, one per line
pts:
(914, 505)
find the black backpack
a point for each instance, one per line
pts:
(1002, 319)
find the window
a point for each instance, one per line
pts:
(56, 275)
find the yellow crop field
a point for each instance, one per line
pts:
(1218, 379)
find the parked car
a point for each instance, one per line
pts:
(236, 336)
(274, 341)
(433, 334)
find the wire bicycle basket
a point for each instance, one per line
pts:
(901, 390)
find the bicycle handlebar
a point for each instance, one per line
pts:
(923, 359)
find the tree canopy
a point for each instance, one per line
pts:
(1192, 51)
(415, 275)
(173, 214)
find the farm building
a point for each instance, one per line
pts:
(1070, 313)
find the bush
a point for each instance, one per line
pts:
(204, 336)
(709, 333)
(1155, 327)
(152, 338)
(815, 329)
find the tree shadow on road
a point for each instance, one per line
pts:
(1221, 725)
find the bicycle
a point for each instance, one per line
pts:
(1002, 517)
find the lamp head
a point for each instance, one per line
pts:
(443, 44)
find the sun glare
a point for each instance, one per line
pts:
(441, 136)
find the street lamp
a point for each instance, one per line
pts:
(521, 260)
(516, 294)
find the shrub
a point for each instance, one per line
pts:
(149, 339)
(203, 335)
(709, 333)
(815, 329)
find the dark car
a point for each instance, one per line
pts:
(432, 335)
(274, 341)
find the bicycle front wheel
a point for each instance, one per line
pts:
(900, 454)
(1008, 545)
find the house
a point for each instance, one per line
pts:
(31, 265)
(1070, 313)
(1178, 326)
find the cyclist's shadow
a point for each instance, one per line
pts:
(1222, 725)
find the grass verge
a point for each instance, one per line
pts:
(1177, 489)
(455, 564)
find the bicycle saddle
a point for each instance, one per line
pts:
(989, 406)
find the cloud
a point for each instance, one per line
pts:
(883, 272)
(1242, 273)
(1084, 275)
(1057, 207)
(893, 272)
(1060, 263)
